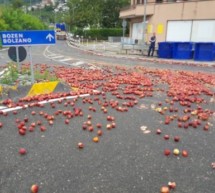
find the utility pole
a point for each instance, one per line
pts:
(144, 26)
(124, 24)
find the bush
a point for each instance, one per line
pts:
(99, 34)
(16, 19)
(11, 74)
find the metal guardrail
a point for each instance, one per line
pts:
(75, 42)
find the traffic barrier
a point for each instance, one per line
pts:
(42, 88)
(16, 92)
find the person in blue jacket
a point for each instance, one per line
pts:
(152, 45)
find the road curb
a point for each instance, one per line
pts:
(147, 59)
(4, 49)
(16, 92)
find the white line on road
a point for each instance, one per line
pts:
(61, 58)
(77, 63)
(44, 102)
(56, 57)
(2, 107)
(50, 55)
(3, 71)
(66, 59)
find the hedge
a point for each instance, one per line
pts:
(99, 34)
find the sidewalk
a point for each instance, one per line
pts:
(113, 49)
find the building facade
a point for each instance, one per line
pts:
(171, 20)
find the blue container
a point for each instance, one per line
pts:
(61, 26)
(165, 49)
(182, 50)
(204, 51)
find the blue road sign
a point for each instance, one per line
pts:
(27, 38)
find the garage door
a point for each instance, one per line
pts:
(203, 31)
(195, 31)
(179, 31)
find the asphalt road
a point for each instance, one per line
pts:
(66, 49)
(128, 158)
(63, 50)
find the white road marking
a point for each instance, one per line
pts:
(77, 63)
(44, 102)
(61, 58)
(50, 55)
(2, 107)
(3, 71)
(56, 57)
(66, 59)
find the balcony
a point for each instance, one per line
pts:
(137, 10)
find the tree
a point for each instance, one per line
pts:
(11, 17)
(31, 22)
(95, 13)
(110, 12)
(3, 25)
(16, 19)
(17, 4)
(48, 8)
(84, 13)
